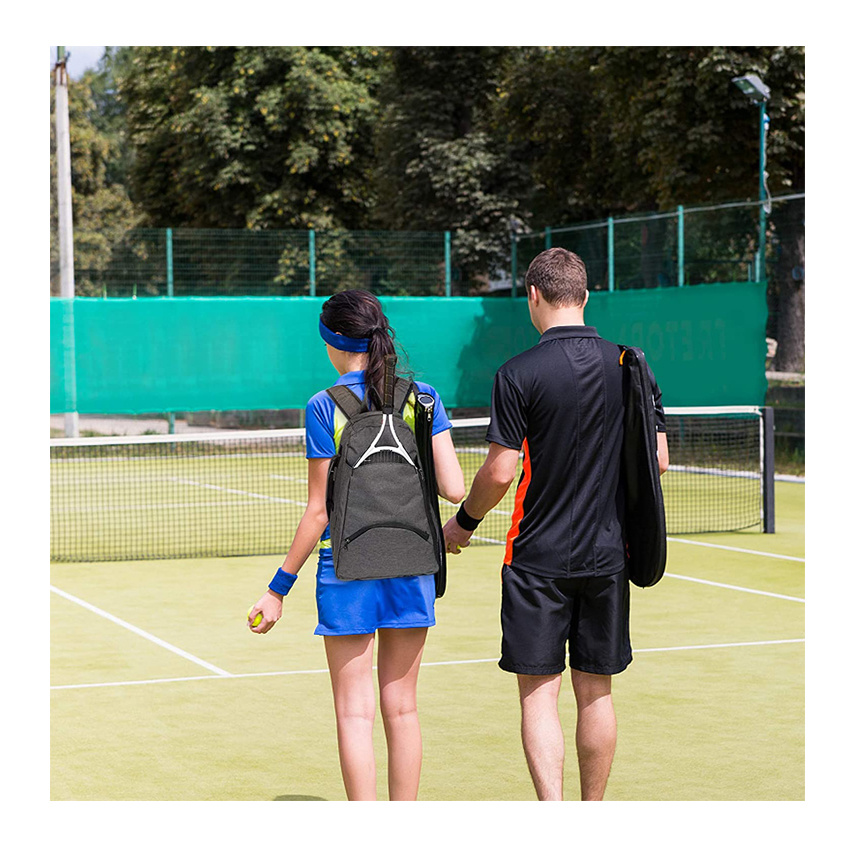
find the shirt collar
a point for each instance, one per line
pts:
(570, 332)
(358, 377)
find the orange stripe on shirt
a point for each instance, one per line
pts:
(519, 510)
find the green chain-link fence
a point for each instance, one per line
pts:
(196, 262)
(683, 247)
(688, 246)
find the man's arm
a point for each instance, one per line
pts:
(488, 489)
(660, 424)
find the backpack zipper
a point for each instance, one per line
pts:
(424, 535)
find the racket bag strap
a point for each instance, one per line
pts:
(401, 393)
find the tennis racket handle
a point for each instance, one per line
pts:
(390, 361)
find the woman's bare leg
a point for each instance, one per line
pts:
(350, 664)
(399, 657)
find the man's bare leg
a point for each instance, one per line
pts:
(596, 732)
(542, 736)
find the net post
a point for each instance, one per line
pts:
(610, 254)
(769, 502)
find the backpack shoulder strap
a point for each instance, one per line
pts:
(624, 348)
(403, 388)
(346, 401)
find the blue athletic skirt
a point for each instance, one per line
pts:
(361, 607)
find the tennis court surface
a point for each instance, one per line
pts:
(160, 692)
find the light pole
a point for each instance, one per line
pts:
(753, 87)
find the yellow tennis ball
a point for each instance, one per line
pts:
(257, 620)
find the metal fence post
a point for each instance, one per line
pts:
(681, 245)
(610, 254)
(312, 241)
(513, 263)
(447, 255)
(169, 262)
(169, 272)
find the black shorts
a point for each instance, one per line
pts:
(541, 615)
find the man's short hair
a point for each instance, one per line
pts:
(560, 277)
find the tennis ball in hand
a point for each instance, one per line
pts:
(257, 620)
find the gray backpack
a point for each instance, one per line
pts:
(383, 522)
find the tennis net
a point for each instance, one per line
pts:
(243, 492)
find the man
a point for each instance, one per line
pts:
(564, 578)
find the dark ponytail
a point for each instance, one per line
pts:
(357, 313)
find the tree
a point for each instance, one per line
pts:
(441, 165)
(613, 130)
(253, 137)
(102, 209)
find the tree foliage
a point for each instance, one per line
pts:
(441, 162)
(102, 208)
(253, 137)
(610, 130)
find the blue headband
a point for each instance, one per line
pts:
(342, 343)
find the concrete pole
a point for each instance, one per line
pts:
(66, 224)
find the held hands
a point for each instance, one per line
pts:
(270, 606)
(456, 537)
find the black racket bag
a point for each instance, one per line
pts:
(646, 531)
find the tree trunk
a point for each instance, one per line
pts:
(791, 292)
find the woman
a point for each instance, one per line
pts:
(351, 613)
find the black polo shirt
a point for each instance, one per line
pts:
(562, 403)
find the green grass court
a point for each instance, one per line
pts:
(160, 692)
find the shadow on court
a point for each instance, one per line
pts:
(299, 797)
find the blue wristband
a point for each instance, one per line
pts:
(282, 582)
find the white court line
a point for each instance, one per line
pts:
(694, 543)
(238, 492)
(159, 506)
(705, 581)
(736, 549)
(424, 664)
(722, 645)
(139, 632)
(736, 587)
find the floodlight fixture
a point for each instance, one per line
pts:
(753, 87)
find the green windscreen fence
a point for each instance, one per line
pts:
(706, 345)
